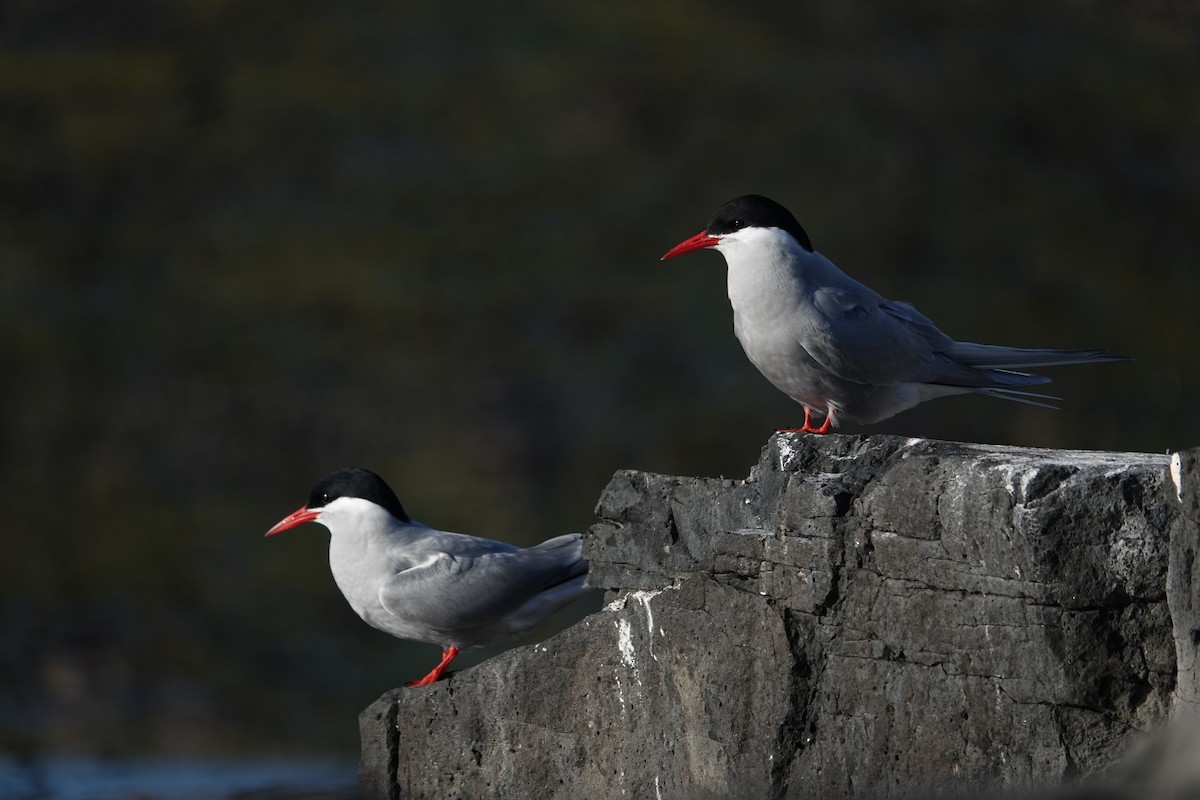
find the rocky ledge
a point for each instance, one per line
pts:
(860, 617)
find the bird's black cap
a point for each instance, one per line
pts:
(756, 211)
(356, 482)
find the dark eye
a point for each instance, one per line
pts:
(737, 224)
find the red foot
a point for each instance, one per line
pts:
(825, 428)
(448, 655)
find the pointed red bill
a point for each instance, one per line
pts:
(697, 242)
(298, 517)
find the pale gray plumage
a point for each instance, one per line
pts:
(453, 589)
(419, 583)
(837, 347)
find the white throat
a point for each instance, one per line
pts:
(362, 536)
(765, 275)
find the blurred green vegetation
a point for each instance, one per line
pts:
(243, 244)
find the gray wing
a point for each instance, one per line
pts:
(939, 365)
(455, 591)
(861, 337)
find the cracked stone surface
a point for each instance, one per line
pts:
(860, 617)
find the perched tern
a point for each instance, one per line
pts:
(418, 583)
(841, 350)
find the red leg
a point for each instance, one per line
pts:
(807, 427)
(448, 655)
(826, 426)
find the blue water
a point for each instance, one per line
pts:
(85, 778)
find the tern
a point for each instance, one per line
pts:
(837, 347)
(418, 583)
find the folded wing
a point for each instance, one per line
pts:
(456, 591)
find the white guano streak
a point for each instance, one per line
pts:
(1177, 475)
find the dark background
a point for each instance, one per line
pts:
(245, 243)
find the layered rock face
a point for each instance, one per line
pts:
(860, 617)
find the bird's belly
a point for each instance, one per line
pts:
(378, 617)
(789, 367)
(363, 596)
(401, 627)
(359, 581)
(778, 355)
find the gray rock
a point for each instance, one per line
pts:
(861, 617)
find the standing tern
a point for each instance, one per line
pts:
(841, 350)
(418, 583)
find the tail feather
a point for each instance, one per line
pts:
(567, 551)
(1028, 398)
(993, 356)
(947, 372)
